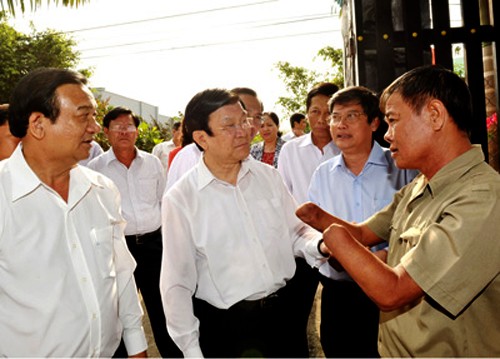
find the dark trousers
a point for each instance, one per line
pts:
(299, 296)
(246, 329)
(349, 321)
(147, 251)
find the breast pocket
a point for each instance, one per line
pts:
(410, 237)
(102, 239)
(147, 190)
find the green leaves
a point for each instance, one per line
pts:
(299, 80)
(21, 53)
(12, 5)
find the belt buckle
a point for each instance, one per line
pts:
(139, 239)
(269, 301)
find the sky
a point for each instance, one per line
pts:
(164, 52)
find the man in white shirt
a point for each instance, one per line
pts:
(297, 162)
(140, 178)
(95, 150)
(230, 237)
(298, 124)
(162, 150)
(66, 276)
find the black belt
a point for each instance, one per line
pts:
(250, 305)
(142, 238)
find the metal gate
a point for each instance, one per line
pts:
(385, 38)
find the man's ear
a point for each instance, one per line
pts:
(375, 124)
(200, 137)
(437, 114)
(36, 125)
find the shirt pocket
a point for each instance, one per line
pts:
(410, 237)
(147, 190)
(102, 239)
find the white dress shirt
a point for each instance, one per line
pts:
(183, 161)
(95, 150)
(225, 243)
(289, 136)
(297, 162)
(141, 187)
(162, 151)
(66, 275)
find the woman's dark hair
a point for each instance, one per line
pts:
(275, 119)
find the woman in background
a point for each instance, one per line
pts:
(268, 150)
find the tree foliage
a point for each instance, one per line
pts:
(21, 53)
(299, 80)
(11, 5)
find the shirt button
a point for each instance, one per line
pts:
(84, 279)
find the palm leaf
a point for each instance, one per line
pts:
(11, 5)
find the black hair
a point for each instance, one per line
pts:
(36, 92)
(296, 118)
(117, 112)
(358, 95)
(424, 83)
(324, 88)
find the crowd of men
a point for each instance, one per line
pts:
(227, 251)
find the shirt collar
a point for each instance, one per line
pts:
(452, 171)
(110, 156)
(24, 180)
(376, 157)
(205, 177)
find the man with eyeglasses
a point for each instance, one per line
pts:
(140, 178)
(189, 155)
(353, 185)
(230, 237)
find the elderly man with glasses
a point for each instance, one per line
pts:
(230, 237)
(140, 178)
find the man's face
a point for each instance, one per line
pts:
(254, 110)
(318, 116)
(122, 133)
(353, 133)
(177, 136)
(409, 134)
(230, 142)
(302, 125)
(70, 136)
(8, 142)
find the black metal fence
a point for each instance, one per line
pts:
(385, 38)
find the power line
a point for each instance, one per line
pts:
(171, 16)
(221, 43)
(277, 22)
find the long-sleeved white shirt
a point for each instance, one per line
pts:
(66, 275)
(297, 162)
(226, 243)
(141, 187)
